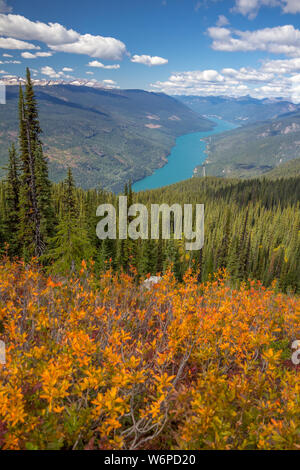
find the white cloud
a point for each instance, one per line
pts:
(250, 8)
(29, 55)
(7, 55)
(222, 21)
(4, 8)
(3, 71)
(282, 67)
(94, 46)
(109, 82)
(247, 74)
(272, 80)
(89, 73)
(148, 60)
(61, 39)
(96, 63)
(50, 72)
(11, 43)
(11, 62)
(44, 54)
(18, 26)
(277, 40)
(292, 6)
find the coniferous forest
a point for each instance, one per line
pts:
(252, 226)
(96, 360)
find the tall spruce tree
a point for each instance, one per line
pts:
(44, 195)
(36, 214)
(12, 191)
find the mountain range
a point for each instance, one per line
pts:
(107, 137)
(111, 136)
(255, 149)
(91, 83)
(242, 111)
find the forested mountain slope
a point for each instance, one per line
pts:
(285, 170)
(255, 149)
(106, 136)
(243, 111)
(251, 227)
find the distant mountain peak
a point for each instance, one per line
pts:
(12, 80)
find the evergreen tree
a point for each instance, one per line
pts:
(44, 195)
(71, 243)
(223, 250)
(36, 212)
(12, 203)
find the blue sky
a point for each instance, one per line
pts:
(208, 47)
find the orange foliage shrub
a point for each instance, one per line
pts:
(104, 363)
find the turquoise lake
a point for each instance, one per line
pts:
(187, 153)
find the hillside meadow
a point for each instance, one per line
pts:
(101, 362)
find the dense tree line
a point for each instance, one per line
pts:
(251, 226)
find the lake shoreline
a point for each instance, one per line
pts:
(187, 153)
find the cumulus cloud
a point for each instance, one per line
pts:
(11, 43)
(277, 40)
(61, 39)
(9, 61)
(4, 8)
(272, 80)
(12, 62)
(109, 82)
(282, 66)
(29, 55)
(148, 60)
(19, 27)
(250, 8)
(291, 6)
(96, 63)
(247, 74)
(43, 54)
(94, 46)
(202, 82)
(50, 72)
(222, 21)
